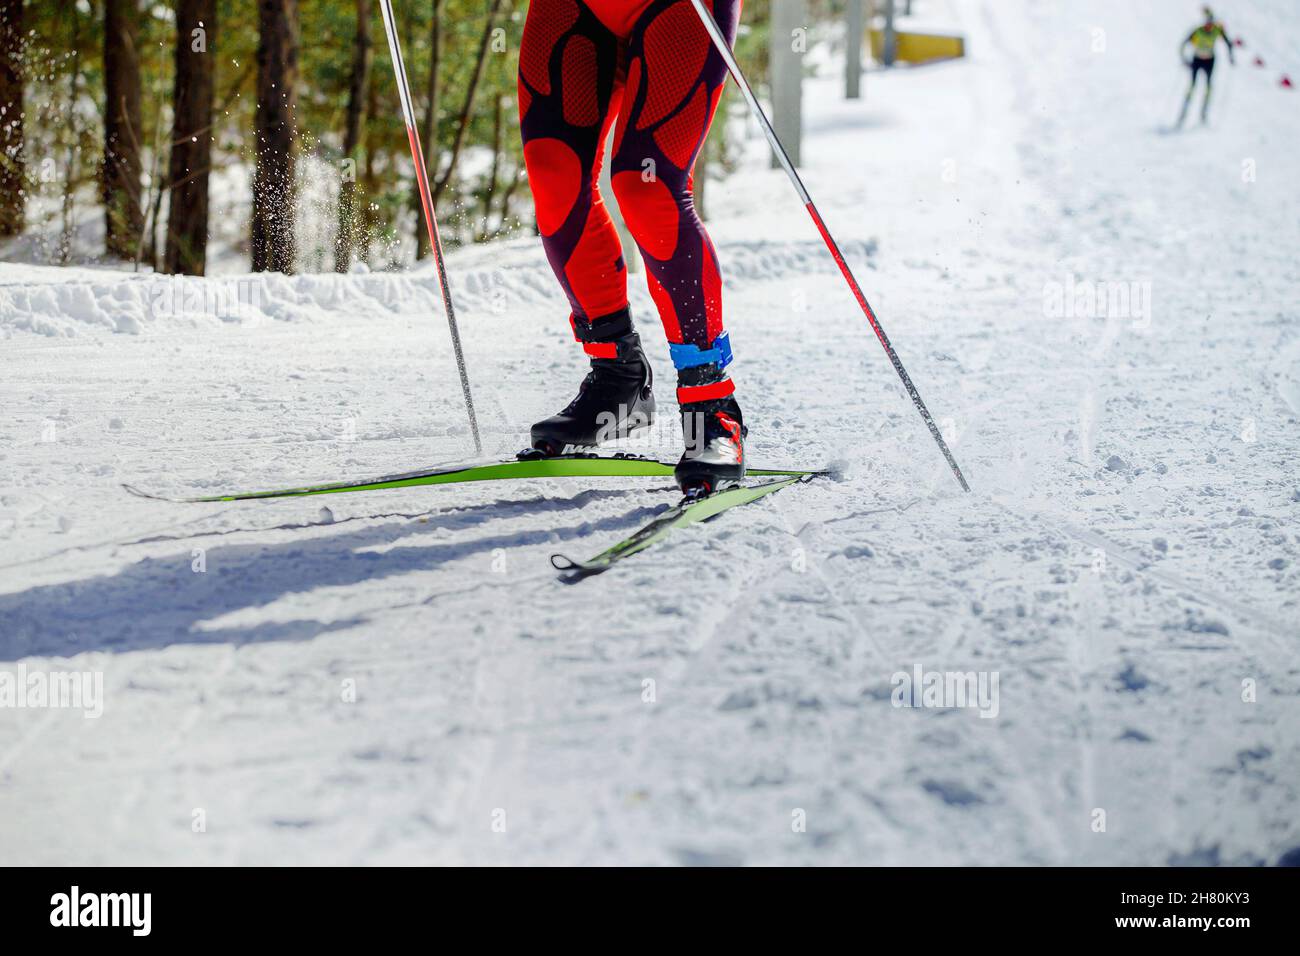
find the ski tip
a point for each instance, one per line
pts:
(150, 496)
(132, 489)
(574, 571)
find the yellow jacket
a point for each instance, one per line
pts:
(1204, 39)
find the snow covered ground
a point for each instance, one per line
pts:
(1126, 567)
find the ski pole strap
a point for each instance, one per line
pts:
(686, 394)
(692, 356)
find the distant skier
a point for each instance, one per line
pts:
(649, 66)
(1203, 41)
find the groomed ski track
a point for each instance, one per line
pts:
(1127, 562)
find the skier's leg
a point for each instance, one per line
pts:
(1187, 100)
(570, 85)
(1209, 88)
(675, 80)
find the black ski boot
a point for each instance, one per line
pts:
(714, 430)
(614, 401)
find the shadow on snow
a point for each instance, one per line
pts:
(158, 602)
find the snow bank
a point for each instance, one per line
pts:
(51, 301)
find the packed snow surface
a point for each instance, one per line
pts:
(1102, 315)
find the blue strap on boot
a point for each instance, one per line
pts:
(692, 356)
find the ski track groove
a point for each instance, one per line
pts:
(1030, 803)
(678, 673)
(121, 819)
(1078, 656)
(1271, 627)
(849, 617)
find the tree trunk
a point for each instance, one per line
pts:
(467, 110)
(191, 156)
(495, 175)
(273, 177)
(430, 131)
(147, 249)
(123, 215)
(512, 185)
(362, 54)
(69, 126)
(369, 177)
(12, 190)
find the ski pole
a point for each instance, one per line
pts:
(719, 41)
(426, 200)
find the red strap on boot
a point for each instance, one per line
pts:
(705, 393)
(622, 325)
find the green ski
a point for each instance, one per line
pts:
(688, 512)
(566, 466)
